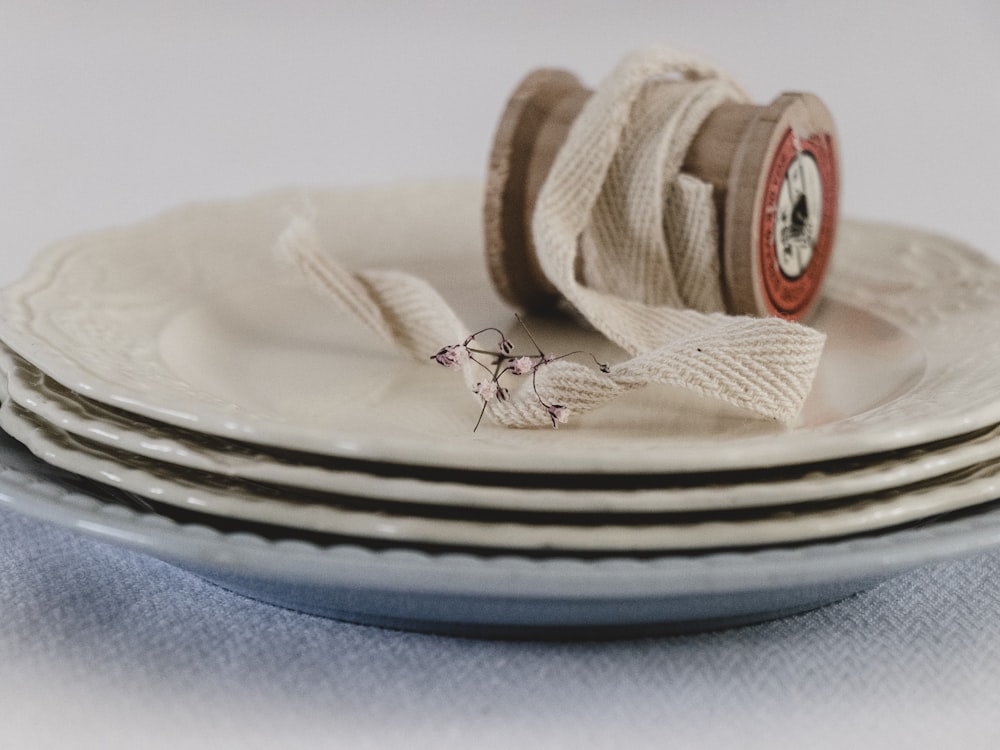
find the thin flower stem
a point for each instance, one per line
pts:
(602, 366)
(485, 367)
(480, 420)
(497, 331)
(485, 351)
(503, 360)
(530, 337)
(534, 387)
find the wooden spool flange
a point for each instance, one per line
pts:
(774, 173)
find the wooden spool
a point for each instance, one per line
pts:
(775, 180)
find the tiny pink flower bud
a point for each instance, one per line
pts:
(487, 390)
(452, 356)
(557, 414)
(522, 365)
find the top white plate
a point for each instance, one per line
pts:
(190, 320)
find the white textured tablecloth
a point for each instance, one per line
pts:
(112, 649)
(115, 111)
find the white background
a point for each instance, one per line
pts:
(112, 111)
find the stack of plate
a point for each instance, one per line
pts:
(189, 396)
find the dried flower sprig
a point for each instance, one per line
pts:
(502, 360)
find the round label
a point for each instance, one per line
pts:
(798, 214)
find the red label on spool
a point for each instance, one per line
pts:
(797, 222)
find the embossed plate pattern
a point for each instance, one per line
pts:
(189, 319)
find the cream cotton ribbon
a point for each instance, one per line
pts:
(647, 239)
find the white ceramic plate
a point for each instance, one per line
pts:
(282, 507)
(508, 596)
(189, 319)
(111, 428)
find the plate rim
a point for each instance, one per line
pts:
(78, 416)
(876, 556)
(252, 504)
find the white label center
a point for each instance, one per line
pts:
(798, 214)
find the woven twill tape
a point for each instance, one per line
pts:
(616, 205)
